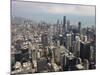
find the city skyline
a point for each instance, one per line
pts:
(51, 12)
(45, 38)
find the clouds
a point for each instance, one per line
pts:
(31, 7)
(70, 9)
(51, 12)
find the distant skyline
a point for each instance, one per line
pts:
(51, 12)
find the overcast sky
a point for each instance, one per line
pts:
(50, 12)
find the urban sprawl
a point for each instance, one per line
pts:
(38, 47)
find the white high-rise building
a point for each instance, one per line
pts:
(69, 41)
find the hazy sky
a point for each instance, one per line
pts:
(51, 12)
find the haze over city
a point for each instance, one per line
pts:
(51, 12)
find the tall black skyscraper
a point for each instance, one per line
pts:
(68, 25)
(85, 50)
(79, 27)
(64, 24)
(44, 38)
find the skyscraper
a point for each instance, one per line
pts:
(69, 39)
(68, 25)
(79, 27)
(85, 50)
(44, 38)
(58, 27)
(64, 24)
